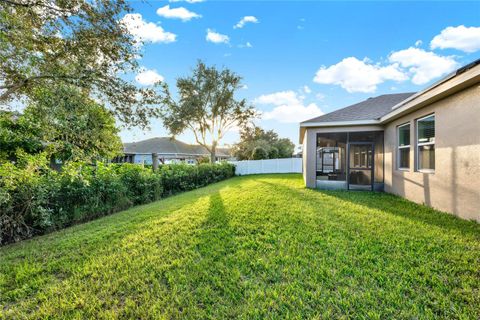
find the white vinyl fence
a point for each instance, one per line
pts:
(288, 165)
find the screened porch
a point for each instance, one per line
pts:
(350, 160)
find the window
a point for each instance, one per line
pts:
(403, 157)
(426, 143)
(361, 156)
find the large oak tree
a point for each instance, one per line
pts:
(81, 43)
(206, 105)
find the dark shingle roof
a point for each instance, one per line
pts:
(166, 145)
(370, 109)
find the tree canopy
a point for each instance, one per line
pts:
(255, 137)
(259, 153)
(63, 122)
(206, 106)
(81, 43)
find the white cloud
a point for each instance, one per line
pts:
(278, 98)
(462, 38)
(307, 89)
(148, 77)
(320, 96)
(216, 37)
(246, 45)
(146, 31)
(177, 13)
(289, 107)
(358, 75)
(188, 1)
(418, 43)
(423, 66)
(245, 20)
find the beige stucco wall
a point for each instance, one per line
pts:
(310, 146)
(455, 185)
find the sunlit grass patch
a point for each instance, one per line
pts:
(251, 247)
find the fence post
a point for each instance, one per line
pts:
(154, 161)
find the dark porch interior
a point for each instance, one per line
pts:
(350, 160)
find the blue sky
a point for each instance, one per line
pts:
(300, 59)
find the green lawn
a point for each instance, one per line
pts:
(251, 247)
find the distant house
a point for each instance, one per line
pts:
(423, 146)
(169, 150)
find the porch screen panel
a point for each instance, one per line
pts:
(331, 156)
(375, 137)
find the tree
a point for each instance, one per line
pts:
(73, 125)
(252, 137)
(285, 148)
(259, 153)
(82, 43)
(273, 153)
(17, 133)
(206, 106)
(65, 123)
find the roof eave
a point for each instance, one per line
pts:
(440, 90)
(339, 123)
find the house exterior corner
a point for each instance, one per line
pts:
(422, 146)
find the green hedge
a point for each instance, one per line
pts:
(36, 200)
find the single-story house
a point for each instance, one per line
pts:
(169, 150)
(423, 146)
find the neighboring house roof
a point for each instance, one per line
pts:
(167, 145)
(370, 109)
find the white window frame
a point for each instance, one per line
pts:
(420, 144)
(403, 147)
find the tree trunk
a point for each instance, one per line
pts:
(212, 152)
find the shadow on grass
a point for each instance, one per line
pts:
(216, 233)
(391, 205)
(125, 222)
(397, 206)
(216, 281)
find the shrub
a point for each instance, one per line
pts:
(24, 197)
(273, 153)
(259, 153)
(142, 185)
(35, 200)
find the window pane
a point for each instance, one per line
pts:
(361, 156)
(404, 135)
(404, 158)
(426, 130)
(426, 157)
